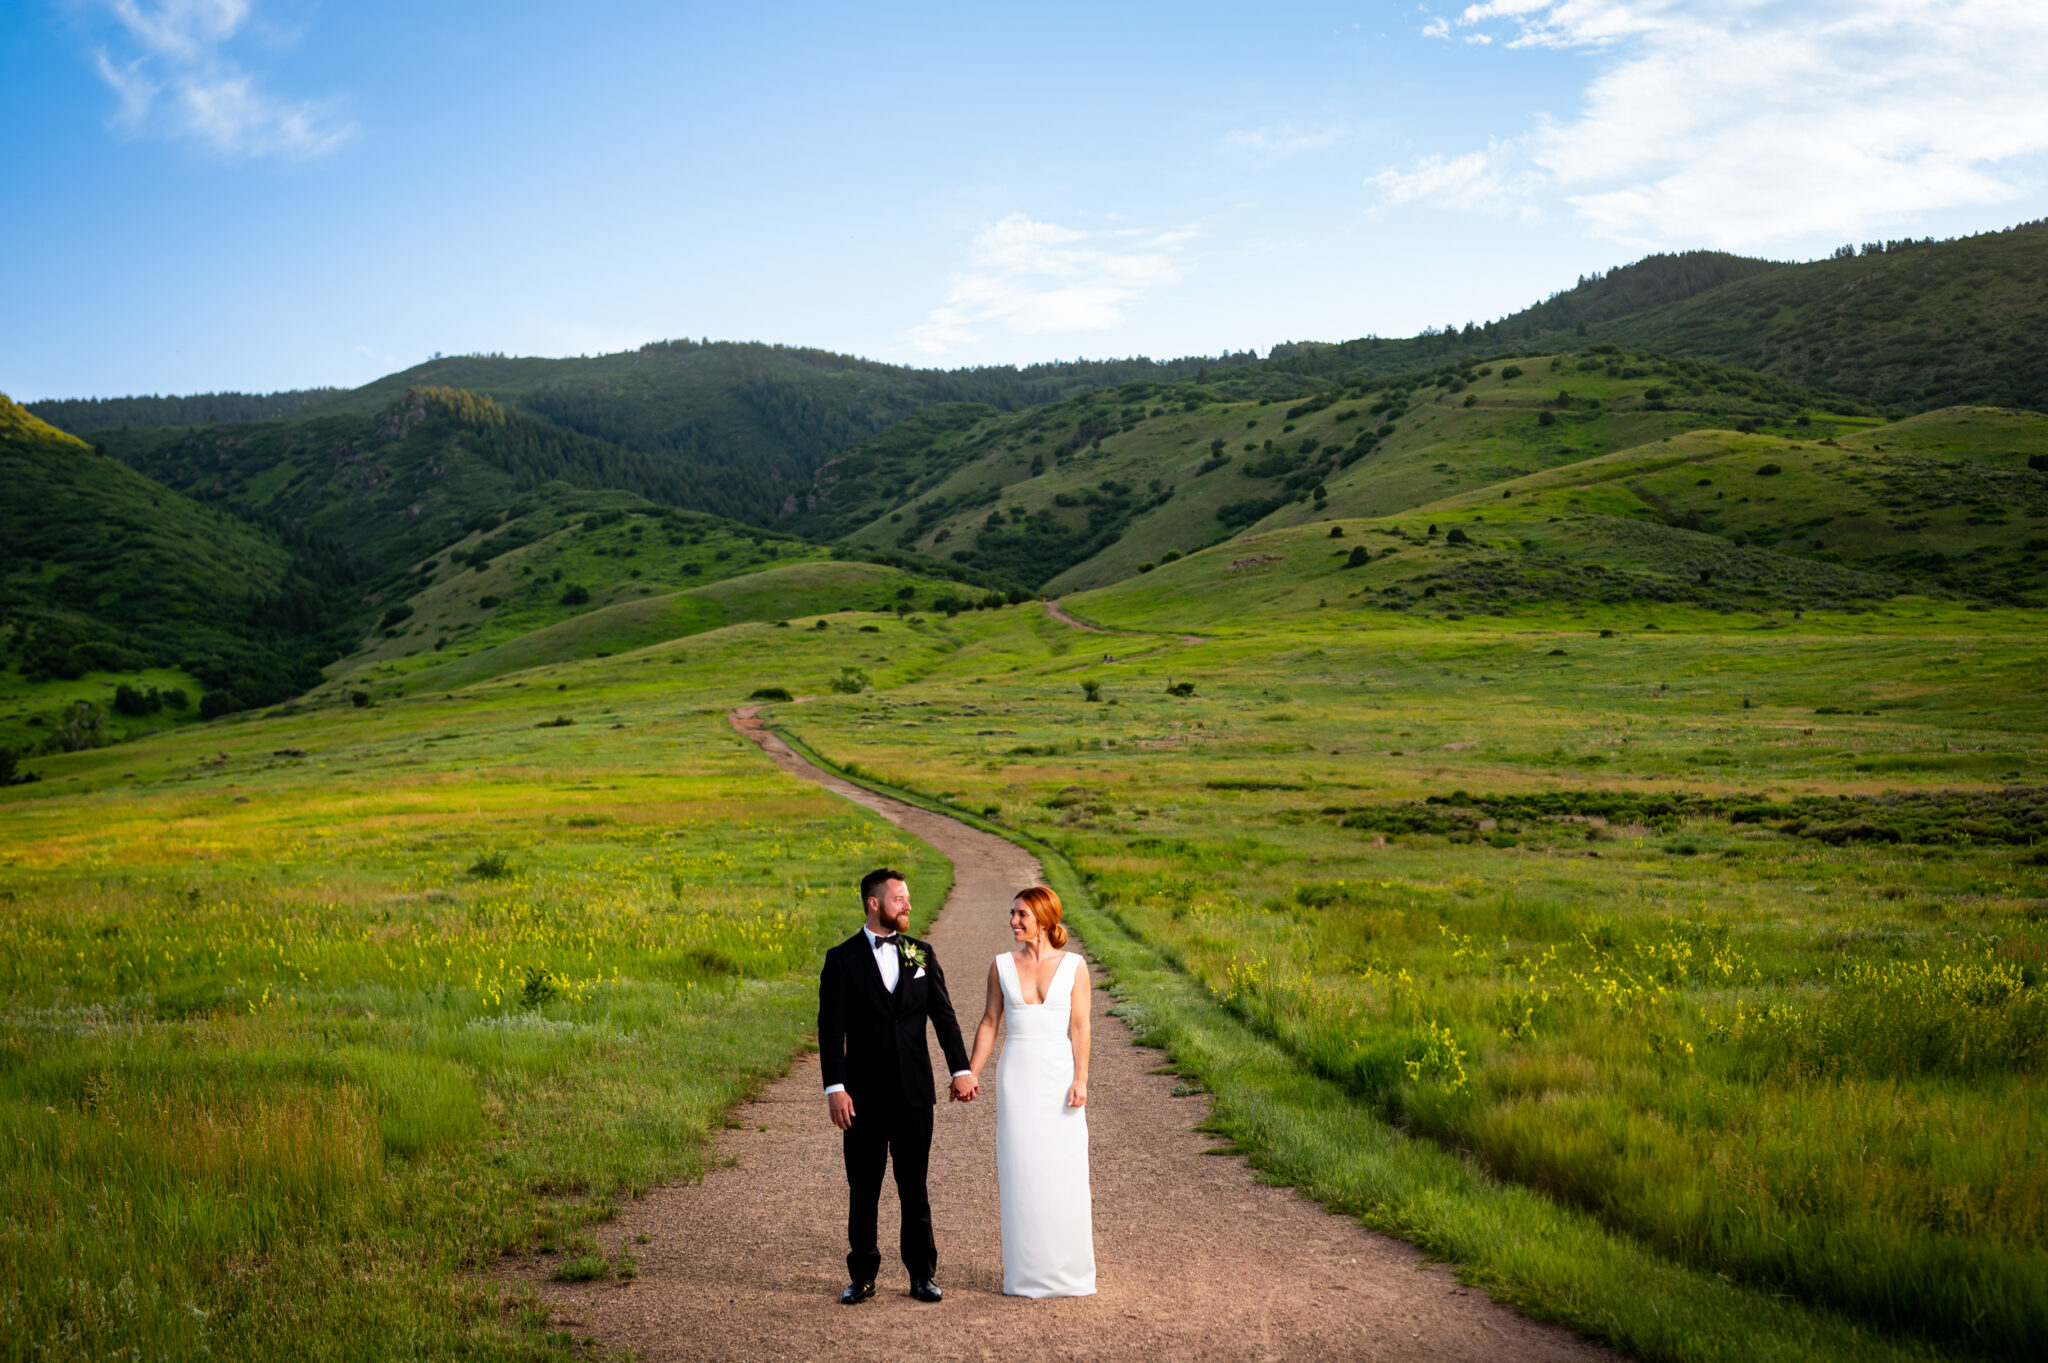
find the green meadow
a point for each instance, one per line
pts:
(1583, 813)
(1725, 934)
(1582, 949)
(310, 1019)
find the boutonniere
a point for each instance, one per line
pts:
(912, 954)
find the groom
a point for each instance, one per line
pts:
(878, 990)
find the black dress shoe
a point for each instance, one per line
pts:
(924, 1289)
(857, 1293)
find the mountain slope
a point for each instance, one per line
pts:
(1084, 492)
(1912, 325)
(104, 571)
(1951, 504)
(199, 409)
(397, 484)
(738, 428)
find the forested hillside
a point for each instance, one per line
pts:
(103, 570)
(729, 428)
(1083, 492)
(1914, 325)
(396, 484)
(200, 409)
(1902, 325)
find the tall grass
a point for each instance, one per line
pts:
(283, 1079)
(1812, 1069)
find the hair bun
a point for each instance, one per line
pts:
(1057, 934)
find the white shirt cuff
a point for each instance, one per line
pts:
(958, 1073)
(831, 1089)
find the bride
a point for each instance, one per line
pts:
(1041, 1118)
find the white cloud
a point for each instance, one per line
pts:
(1478, 182)
(1287, 139)
(1436, 28)
(1742, 122)
(174, 78)
(1035, 278)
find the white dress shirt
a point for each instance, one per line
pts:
(890, 962)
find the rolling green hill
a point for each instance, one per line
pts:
(1901, 325)
(199, 409)
(1082, 493)
(734, 429)
(108, 578)
(404, 480)
(1914, 325)
(1944, 505)
(542, 590)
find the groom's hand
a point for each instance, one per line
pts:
(965, 1087)
(840, 1106)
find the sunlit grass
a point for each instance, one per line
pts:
(297, 1042)
(1814, 1069)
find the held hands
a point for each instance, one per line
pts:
(965, 1088)
(1077, 1094)
(840, 1107)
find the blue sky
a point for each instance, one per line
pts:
(261, 194)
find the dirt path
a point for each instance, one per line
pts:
(1196, 1260)
(1052, 608)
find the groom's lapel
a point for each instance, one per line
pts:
(873, 971)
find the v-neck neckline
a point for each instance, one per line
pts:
(1018, 976)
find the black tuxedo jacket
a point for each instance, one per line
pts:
(872, 1040)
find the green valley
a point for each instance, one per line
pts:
(1571, 793)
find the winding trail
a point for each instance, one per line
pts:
(1197, 1260)
(1057, 612)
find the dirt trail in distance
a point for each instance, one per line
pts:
(1054, 609)
(1196, 1260)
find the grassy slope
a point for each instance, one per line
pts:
(1927, 326)
(649, 577)
(261, 990)
(1287, 692)
(395, 485)
(1206, 829)
(92, 551)
(742, 427)
(1440, 448)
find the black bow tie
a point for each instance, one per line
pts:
(881, 942)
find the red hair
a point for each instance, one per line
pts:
(1045, 907)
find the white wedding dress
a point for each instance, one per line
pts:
(1042, 1144)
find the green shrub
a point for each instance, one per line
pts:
(575, 594)
(1769, 471)
(770, 693)
(491, 866)
(851, 681)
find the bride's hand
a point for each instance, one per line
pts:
(1077, 1094)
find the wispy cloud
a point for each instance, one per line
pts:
(1491, 181)
(1742, 122)
(1273, 140)
(172, 76)
(1037, 278)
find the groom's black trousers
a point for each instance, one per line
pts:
(884, 1128)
